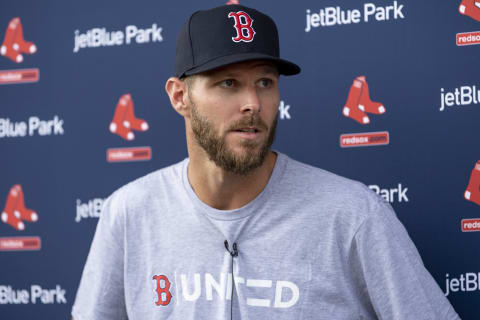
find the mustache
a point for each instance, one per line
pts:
(250, 121)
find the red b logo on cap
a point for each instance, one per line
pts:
(244, 28)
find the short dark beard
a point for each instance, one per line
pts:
(216, 147)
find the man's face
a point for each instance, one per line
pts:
(234, 114)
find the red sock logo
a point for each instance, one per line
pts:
(124, 120)
(15, 210)
(473, 189)
(470, 8)
(13, 44)
(359, 103)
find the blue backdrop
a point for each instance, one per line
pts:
(60, 158)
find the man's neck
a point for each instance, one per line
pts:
(226, 191)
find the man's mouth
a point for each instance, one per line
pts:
(248, 133)
(248, 129)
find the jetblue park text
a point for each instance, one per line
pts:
(101, 37)
(332, 16)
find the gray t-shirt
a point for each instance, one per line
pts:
(311, 245)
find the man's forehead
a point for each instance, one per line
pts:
(261, 66)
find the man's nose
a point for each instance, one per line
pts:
(251, 101)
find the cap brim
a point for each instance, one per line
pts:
(284, 67)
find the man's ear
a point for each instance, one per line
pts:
(178, 94)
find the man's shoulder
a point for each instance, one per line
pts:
(309, 175)
(151, 183)
(320, 186)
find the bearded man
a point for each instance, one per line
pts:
(237, 230)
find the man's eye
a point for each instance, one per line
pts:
(265, 83)
(228, 83)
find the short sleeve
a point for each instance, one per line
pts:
(398, 284)
(100, 295)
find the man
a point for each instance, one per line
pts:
(238, 231)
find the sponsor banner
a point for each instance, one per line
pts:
(32, 127)
(15, 213)
(19, 76)
(364, 139)
(129, 154)
(284, 111)
(462, 96)
(467, 282)
(90, 209)
(469, 225)
(20, 243)
(336, 16)
(468, 38)
(398, 194)
(36, 294)
(101, 37)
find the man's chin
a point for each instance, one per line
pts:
(246, 151)
(242, 160)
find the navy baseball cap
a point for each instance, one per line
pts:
(228, 34)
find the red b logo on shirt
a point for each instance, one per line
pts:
(243, 26)
(163, 299)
